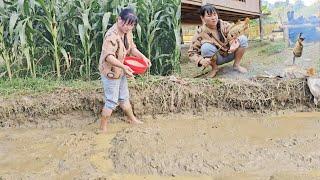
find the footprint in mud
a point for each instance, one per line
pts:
(77, 138)
(287, 142)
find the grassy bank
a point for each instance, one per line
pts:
(155, 95)
(33, 86)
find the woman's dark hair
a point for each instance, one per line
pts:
(209, 9)
(129, 17)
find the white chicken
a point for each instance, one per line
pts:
(314, 86)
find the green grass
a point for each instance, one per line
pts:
(34, 86)
(272, 48)
(30, 86)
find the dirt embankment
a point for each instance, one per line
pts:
(157, 96)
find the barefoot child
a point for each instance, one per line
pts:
(118, 42)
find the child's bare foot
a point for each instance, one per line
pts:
(134, 121)
(212, 73)
(240, 69)
(103, 129)
(100, 131)
(103, 125)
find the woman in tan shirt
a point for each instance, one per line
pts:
(118, 42)
(211, 37)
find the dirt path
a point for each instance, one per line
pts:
(179, 146)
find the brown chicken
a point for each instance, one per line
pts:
(297, 50)
(234, 31)
(238, 29)
(311, 72)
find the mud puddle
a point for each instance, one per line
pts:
(177, 146)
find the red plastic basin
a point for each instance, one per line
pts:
(138, 65)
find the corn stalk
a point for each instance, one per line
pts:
(51, 24)
(174, 23)
(26, 33)
(9, 50)
(84, 33)
(4, 54)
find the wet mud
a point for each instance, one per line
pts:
(260, 146)
(214, 145)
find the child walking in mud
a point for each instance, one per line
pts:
(212, 37)
(118, 42)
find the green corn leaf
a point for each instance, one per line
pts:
(152, 35)
(65, 55)
(20, 4)
(105, 21)
(85, 19)
(31, 4)
(26, 52)
(178, 13)
(157, 14)
(13, 20)
(22, 33)
(139, 31)
(1, 4)
(43, 5)
(81, 70)
(82, 34)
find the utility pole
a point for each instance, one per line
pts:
(260, 21)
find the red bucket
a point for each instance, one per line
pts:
(139, 66)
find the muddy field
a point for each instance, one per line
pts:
(215, 145)
(253, 145)
(203, 129)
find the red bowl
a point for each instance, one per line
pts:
(138, 65)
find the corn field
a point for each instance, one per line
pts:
(62, 38)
